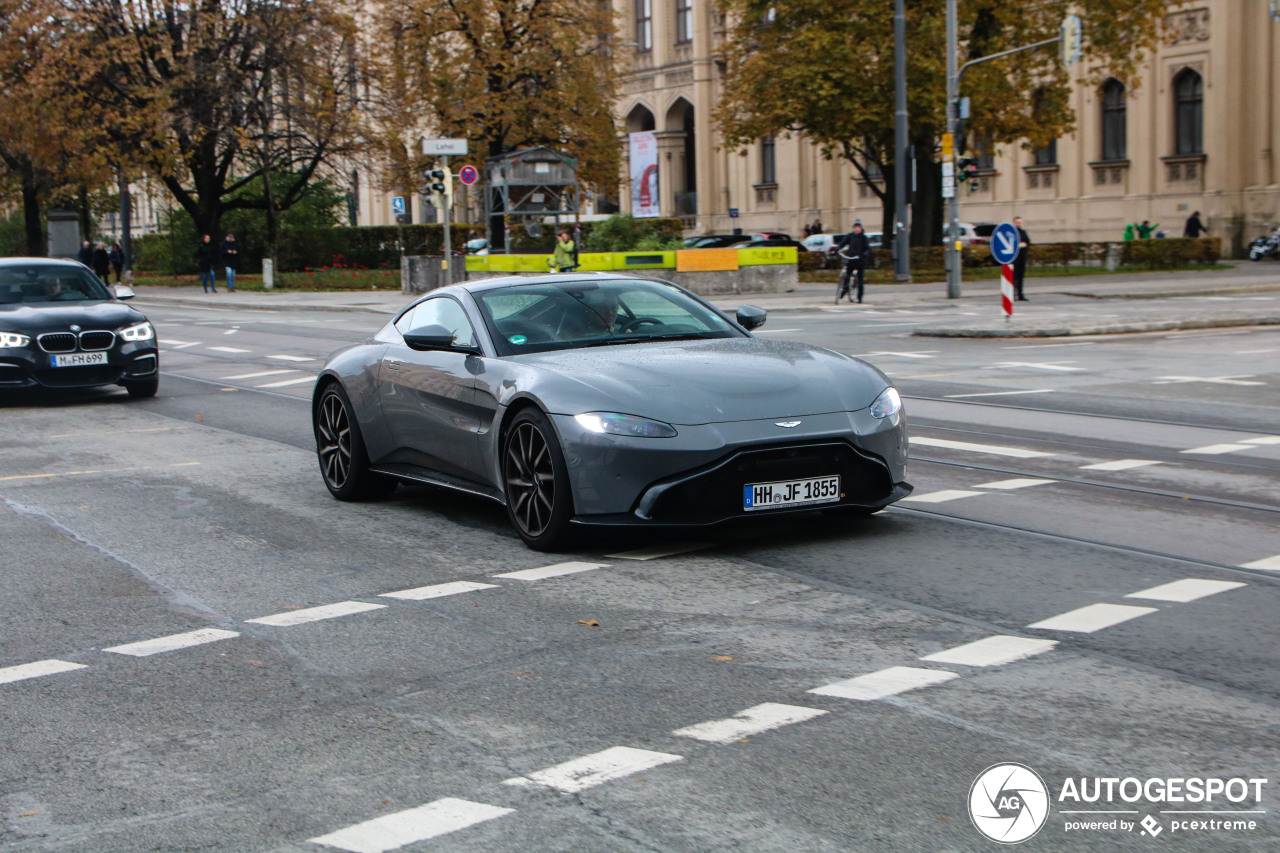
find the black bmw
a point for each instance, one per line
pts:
(60, 327)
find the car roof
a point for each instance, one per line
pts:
(24, 262)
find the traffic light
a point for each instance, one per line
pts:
(967, 167)
(440, 186)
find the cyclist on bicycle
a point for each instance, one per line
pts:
(856, 251)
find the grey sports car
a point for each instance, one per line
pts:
(597, 399)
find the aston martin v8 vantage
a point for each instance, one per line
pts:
(597, 399)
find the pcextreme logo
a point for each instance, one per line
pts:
(1008, 803)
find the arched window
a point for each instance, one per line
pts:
(1114, 120)
(1188, 113)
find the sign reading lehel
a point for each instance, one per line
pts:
(706, 260)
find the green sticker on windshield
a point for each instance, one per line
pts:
(518, 339)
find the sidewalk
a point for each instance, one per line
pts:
(1247, 295)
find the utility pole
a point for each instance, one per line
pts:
(901, 233)
(948, 154)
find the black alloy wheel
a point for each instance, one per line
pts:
(536, 481)
(344, 463)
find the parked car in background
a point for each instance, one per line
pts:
(772, 243)
(972, 234)
(478, 246)
(715, 241)
(769, 235)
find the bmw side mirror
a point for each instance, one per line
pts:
(750, 317)
(123, 292)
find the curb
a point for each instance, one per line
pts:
(1100, 329)
(275, 306)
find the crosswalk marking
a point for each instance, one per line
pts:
(940, 496)
(1094, 617)
(1268, 564)
(992, 651)
(761, 718)
(1040, 365)
(1266, 439)
(999, 393)
(1218, 449)
(1119, 465)
(36, 669)
(258, 375)
(291, 358)
(1185, 590)
(173, 642)
(886, 682)
(439, 590)
(173, 344)
(233, 350)
(554, 571)
(315, 614)
(394, 831)
(994, 449)
(286, 382)
(582, 773)
(1016, 483)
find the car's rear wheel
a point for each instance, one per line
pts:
(536, 481)
(140, 388)
(344, 462)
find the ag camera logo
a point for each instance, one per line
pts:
(1008, 803)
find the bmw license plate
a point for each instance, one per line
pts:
(78, 359)
(792, 493)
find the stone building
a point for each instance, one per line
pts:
(1198, 132)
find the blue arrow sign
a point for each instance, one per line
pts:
(1004, 243)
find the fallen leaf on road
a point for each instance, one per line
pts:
(593, 623)
(724, 657)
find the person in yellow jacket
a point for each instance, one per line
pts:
(565, 257)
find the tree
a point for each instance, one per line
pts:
(824, 69)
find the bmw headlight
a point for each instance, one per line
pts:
(140, 332)
(610, 423)
(13, 339)
(887, 404)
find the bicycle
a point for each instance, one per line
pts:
(844, 283)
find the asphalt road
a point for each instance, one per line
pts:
(167, 683)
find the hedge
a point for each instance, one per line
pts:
(1154, 254)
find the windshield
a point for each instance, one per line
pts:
(42, 282)
(569, 315)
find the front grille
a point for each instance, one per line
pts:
(79, 377)
(57, 342)
(716, 493)
(93, 341)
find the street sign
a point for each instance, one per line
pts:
(733, 213)
(468, 175)
(1004, 243)
(397, 205)
(444, 146)
(1071, 45)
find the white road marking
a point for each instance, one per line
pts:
(1120, 465)
(1000, 393)
(439, 590)
(581, 773)
(173, 642)
(286, 382)
(315, 614)
(1237, 379)
(393, 831)
(291, 358)
(939, 497)
(552, 571)
(1185, 590)
(228, 349)
(1016, 483)
(165, 342)
(257, 375)
(994, 449)
(230, 331)
(36, 669)
(1095, 617)
(752, 721)
(1253, 351)
(992, 651)
(659, 551)
(774, 331)
(1219, 449)
(928, 353)
(1270, 564)
(886, 682)
(1038, 365)
(1266, 439)
(1050, 346)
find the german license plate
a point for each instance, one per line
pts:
(78, 359)
(816, 490)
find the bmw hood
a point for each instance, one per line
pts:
(716, 381)
(46, 317)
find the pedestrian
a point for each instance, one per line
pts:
(207, 256)
(1020, 262)
(855, 249)
(1129, 230)
(1146, 229)
(117, 260)
(816, 227)
(230, 250)
(85, 255)
(102, 262)
(1194, 227)
(563, 260)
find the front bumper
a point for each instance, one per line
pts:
(31, 367)
(697, 477)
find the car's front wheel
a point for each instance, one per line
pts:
(140, 388)
(344, 462)
(536, 481)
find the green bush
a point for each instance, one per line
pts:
(624, 233)
(808, 261)
(1170, 253)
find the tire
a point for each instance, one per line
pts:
(842, 284)
(344, 462)
(535, 481)
(143, 388)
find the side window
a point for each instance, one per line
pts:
(440, 311)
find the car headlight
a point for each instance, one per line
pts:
(610, 423)
(13, 339)
(887, 404)
(140, 332)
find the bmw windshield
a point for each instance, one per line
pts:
(569, 315)
(37, 282)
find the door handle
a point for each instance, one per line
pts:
(393, 365)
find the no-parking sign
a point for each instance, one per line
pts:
(468, 175)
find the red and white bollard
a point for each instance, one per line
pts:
(1006, 289)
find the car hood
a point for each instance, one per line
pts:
(53, 316)
(699, 382)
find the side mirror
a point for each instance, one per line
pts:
(750, 317)
(123, 291)
(435, 337)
